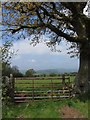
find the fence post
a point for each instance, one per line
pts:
(33, 89)
(63, 79)
(69, 80)
(52, 89)
(12, 84)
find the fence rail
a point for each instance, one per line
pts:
(40, 78)
(34, 88)
(38, 88)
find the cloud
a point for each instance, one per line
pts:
(32, 61)
(41, 57)
(24, 47)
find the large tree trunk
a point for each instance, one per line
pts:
(82, 81)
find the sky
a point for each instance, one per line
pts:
(41, 57)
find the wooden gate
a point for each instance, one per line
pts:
(41, 88)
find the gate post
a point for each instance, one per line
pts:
(33, 89)
(12, 84)
(63, 79)
(69, 80)
(52, 89)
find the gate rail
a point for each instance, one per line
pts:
(41, 88)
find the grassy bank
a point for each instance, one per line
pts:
(43, 109)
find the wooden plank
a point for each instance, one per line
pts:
(22, 101)
(23, 83)
(40, 91)
(41, 97)
(45, 100)
(41, 78)
(38, 83)
(41, 87)
(30, 95)
(34, 94)
(20, 94)
(41, 100)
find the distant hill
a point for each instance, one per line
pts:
(57, 71)
(49, 71)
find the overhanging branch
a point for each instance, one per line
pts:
(64, 35)
(53, 29)
(51, 15)
(25, 26)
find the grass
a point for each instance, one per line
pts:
(43, 109)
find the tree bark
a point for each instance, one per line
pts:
(82, 80)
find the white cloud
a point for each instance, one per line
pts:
(24, 47)
(40, 56)
(32, 60)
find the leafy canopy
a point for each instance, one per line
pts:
(57, 20)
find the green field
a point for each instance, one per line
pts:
(39, 84)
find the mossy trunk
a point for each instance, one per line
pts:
(82, 81)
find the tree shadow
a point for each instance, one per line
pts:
(84, 97)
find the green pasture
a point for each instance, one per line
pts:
(40, 84)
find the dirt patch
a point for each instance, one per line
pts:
(70, 112)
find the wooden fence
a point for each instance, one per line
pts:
(41, 88)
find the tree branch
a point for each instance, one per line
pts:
(64, 35)
(52, 28)
(50, 14)
(25, 26)
(38, 14)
